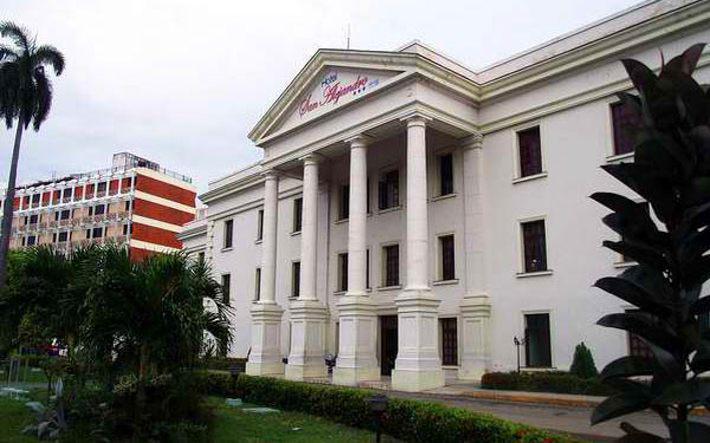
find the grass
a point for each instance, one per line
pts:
(14, 416)
(231, 425)
(234, 424)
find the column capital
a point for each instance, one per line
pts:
(312, 159)
(358, 141)
(271, 174)
(416, 118)
(473, 141)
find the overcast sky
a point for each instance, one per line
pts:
(183, 82)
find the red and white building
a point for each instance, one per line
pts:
(135, 203)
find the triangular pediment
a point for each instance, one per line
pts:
(334, 79)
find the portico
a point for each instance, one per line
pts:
(333, 113)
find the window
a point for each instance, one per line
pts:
(344, 207)
(97, 232)
(31, 240)
(62, 215)
(226, 280)
(295, 279)
(97, 210)
(128, 205)
(446, 174)
(534, 248)
(297, 214)
(530, 152)
(260, 225)
(449, 342)
(389, 190)
(257, 284)
(343, 272)
(63, 237)
(625, 123)
(446, 246)
(390, 255)
(537, 341)
(201, 257)
(228, 233)
(34, 219)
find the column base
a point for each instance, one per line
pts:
(416, 381)
(265, 357)
(265, 369)
(418, 366)
(306, 359)
(475, 315)
(357, 359)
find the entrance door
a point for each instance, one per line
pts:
(388, 343)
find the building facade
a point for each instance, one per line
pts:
(414, 217)
(135, 203)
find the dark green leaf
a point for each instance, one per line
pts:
(695, 432)
(635, 435)
(686, 61)
(634, 294)
(697, 273)
(691, 391)
(618, 405)
(645, 255)
(644, 326)
(701, 360)
(702, 306)
(628, 366)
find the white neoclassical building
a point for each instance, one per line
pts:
(413, 216)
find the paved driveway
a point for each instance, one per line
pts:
(572, 420)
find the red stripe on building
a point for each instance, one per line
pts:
(89, 191)
(113, 187)
(165, 190)
(138, 254)
(165, 214)
(78, 193)
(154, 235)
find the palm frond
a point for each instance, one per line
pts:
(48, 54)
(8, 53)
(43, 98)
(18, 34)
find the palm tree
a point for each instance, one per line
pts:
(25, 96)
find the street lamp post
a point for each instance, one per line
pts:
(518, 343)
(378, 405)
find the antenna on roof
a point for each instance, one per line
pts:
(347, 37)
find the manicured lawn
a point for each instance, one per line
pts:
(234, 424)
(14, 416)
(231, 425)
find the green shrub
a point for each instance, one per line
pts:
(583, 363)
(558, 382)
(223, 363)
(409, 420)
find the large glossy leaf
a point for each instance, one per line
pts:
(636, 295)
(618, 405)
(691, 391)
(652, 281)
(648, 183)
(685, 62)
(702, 306)
(701, 360)
(695, 245)
(635, 435)
(643, 326)
(697, 273)
(629, 366)
(642, 254)
(641, 75)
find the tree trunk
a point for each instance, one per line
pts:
(8, 205)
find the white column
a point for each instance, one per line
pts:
(307, 314)
(265, 356)
(418, 366)
(357, 359)
(475, 306)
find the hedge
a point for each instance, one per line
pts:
(558, 382)
(409, 420)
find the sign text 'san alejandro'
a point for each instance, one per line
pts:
(332, 90)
